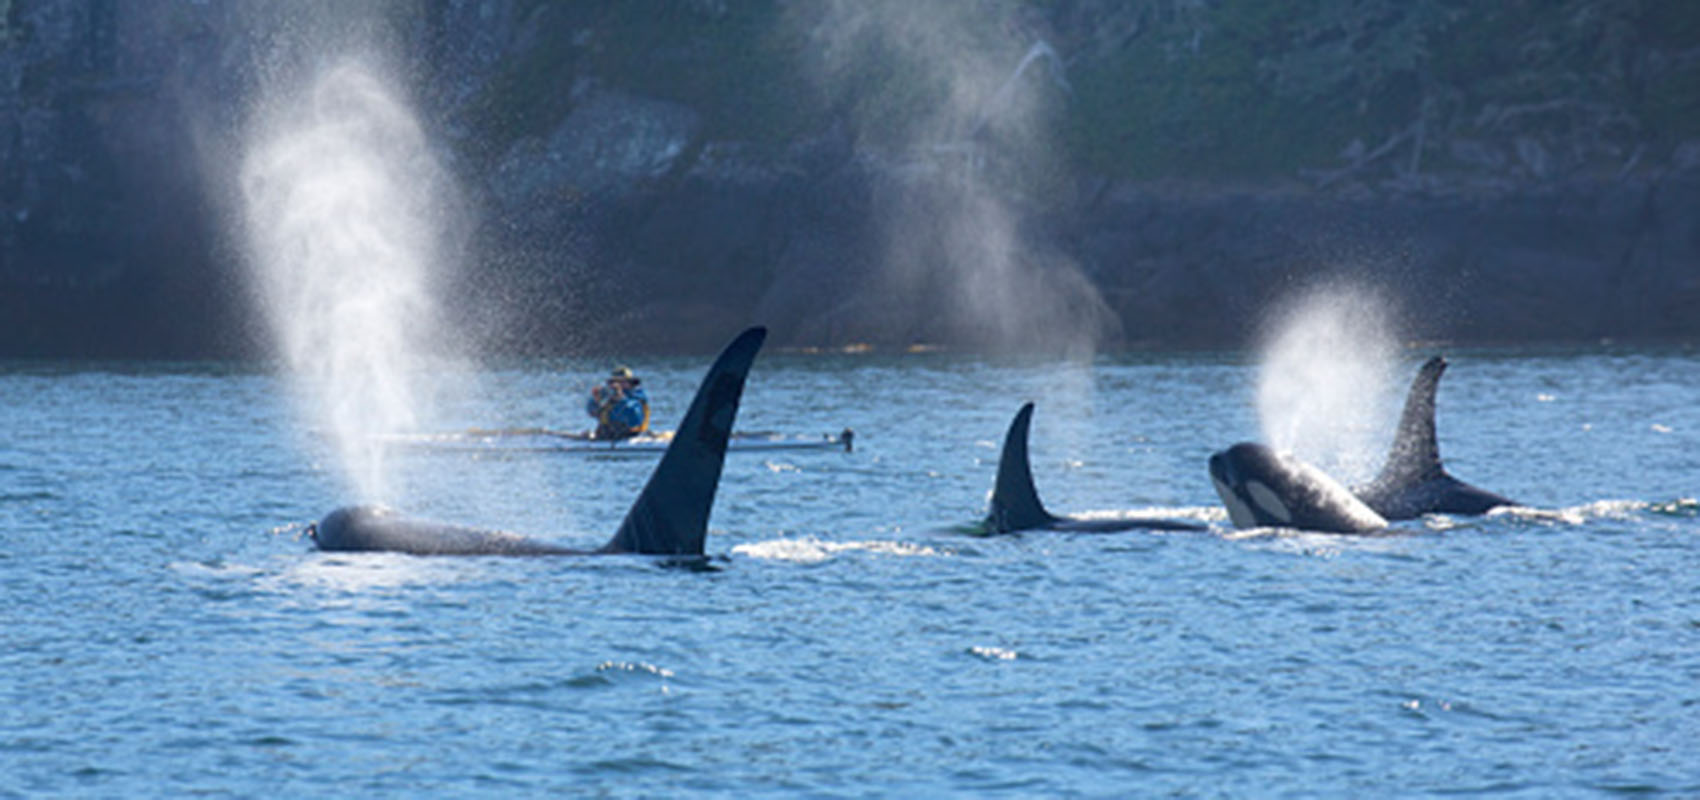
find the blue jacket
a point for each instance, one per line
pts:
(628, 416)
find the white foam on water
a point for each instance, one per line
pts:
(809, 550)
(989, 653)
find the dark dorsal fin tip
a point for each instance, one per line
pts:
(1415, 454)
(670, 516)
(1015, 502)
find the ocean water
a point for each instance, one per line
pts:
(165, 630)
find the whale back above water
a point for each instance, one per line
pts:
(1265, 489)
(1413, 482)
(382, 529)
(1015, 504)
(670, 516)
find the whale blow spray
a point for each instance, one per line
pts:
(1323, 390)
(341, 204)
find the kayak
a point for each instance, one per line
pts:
(545, 440)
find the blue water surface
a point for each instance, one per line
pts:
(166, 631)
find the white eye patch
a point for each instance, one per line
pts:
(1266, 499)
(1240, 513)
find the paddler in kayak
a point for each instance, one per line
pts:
(620, 406)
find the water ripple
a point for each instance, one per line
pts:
(808, 550)
(164, 635)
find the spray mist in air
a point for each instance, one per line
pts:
(971, 164)
(340, 190)
(1323, 389)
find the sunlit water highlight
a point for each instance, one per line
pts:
(166, 634)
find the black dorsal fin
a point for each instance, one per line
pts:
(1015, 503)
(670, 517)
(1415, 455)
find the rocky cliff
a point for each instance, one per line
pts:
(654, 175)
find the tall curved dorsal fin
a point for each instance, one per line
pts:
(670, 517)
(1015, 503)
(1415, 455)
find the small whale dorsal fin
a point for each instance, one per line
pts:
(1015, 503)
(1415, 455)
(670, 516)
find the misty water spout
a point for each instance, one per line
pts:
(1323, 389)
(341, 199)
(958, 110)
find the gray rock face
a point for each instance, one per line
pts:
(611, 145)
(1574, 262)
(607, 217)
(107, 231)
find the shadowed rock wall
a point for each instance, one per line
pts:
(612, 209)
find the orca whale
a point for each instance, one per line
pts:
(1015, 502)
(1412, 482)
(669, 518)
(1262, 488)
(1265, 489)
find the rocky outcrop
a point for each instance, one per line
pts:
(606, 217)
(1571, 262)
(112, 238)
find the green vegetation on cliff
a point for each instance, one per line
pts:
(1230, 89)
(1247, 88)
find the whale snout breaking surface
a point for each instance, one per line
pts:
(1265, 489)
(1261, 487)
